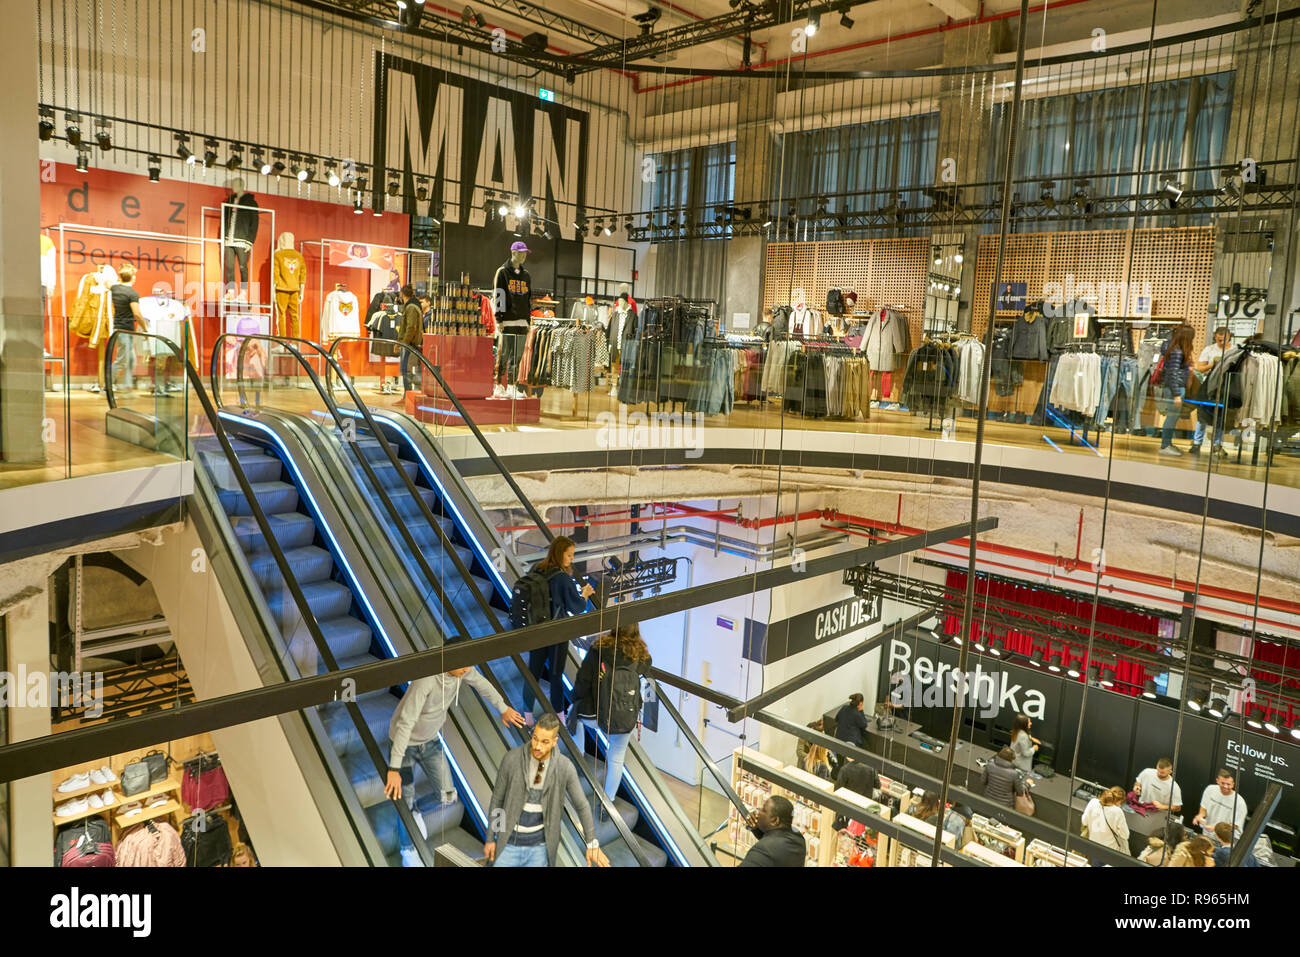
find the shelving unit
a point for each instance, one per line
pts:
(1041, 854)
(902, 856)
(998, 838)
(990, 857)
(121, 822)
(858, 845)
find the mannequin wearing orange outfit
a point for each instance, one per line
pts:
(289, 277)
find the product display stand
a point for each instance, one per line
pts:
(753, 790)
(998, 838)
(1041, 854)
(857, 845)
(992, 858)
(902, 856)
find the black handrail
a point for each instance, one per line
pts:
(417, 553)
(698, 745)
(469, 422)
(299, 599)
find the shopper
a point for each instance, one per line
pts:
(126, 318)
(1206, 361)
(607, 694)
(850, 722)
(801, 749)
(1023, 744)
(1002, 781)
(927, 809)
(1173, 383)
(957, 821)
(411, 332)
(1157, 786)
(860, 779)
(1196, 851)
(415, 730)
(527, 805)
(1223, 834)
(818, 762)
(1103, 820)
(242, 856)
(1160, 850)
(779, 844)
(1220, 802)
(567, 598)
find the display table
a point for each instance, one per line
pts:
(465, 364)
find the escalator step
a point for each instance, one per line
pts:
(326, 599)
(388, 475)
(291, 530)
(258, 466)
(210, 443)
(620, 856)
(311, 563)
(376, 710)
(274, 497)
(347, 639)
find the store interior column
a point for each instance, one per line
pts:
(756, 104)
(22, 395)
(27, 637)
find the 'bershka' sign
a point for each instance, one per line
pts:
(765, 644)
(475, 141)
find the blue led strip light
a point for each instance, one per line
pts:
(356, 589)
(1074, 433)
(1053, 445)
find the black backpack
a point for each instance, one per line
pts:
(618, 698)
(834, 302)
(530, 600)
(209, 847)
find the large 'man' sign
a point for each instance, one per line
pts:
(474, 140)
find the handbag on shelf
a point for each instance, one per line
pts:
(135, 778)
(158, 763)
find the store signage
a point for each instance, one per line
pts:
(478, 142)
(727, 623)
(1257, 759)
(766, 643)
(1010, 296)
(922, 682)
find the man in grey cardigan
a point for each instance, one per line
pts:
(528, 803)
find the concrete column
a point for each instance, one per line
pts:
(756, 106)
(964, 144)
(22, 395)
(31, 802)
(1264, 126)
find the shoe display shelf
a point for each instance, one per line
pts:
(171, 785)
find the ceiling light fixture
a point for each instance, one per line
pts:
(45, 127)
(155, 167)
(210, 152)
(183, 149)
(394, 187)
(356, 204)
(83, 161)
(813, 25)
(1270, 727)
(236, 158)
(1172, 189)
(422, 189)
(1046, 195)
(102, 135)
(308, 174)
(521, 211)
(332, 176)
(73, 130)
(277, 167)
(260, 164)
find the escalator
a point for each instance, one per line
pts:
(369, 559)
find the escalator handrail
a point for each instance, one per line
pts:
(287, 343)
(299, 599)
(720, 778)
(109, 349)
(597, 787)
(469, 422)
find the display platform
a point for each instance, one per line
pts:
(438, 410)
(465, 363)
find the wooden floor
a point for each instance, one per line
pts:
(80, 446)
(705, 808)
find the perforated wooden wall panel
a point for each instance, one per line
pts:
(1173, 266)
(883, 272)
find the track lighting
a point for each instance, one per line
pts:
(73, 130)
(813, 25)
(521, 211)
(277, 167)
(260, 164)
(1172, 189)
(332, 176)
(628, 224)
(45, 126)
(356, 204)
(608, 230)
(394, 187)
(1046, 195)
(154, 167)
(422, 189)
(236, 159)
(102, 135)
(183, 149)
(299, 172)
(210, 152)
(308, 174)
(83, 161)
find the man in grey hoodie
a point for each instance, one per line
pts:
(419, 718)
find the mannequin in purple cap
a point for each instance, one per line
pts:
(511, 302)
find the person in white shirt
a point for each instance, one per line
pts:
(1104, 820)
(1221, 802)
(1206, 361)
(1157, 786)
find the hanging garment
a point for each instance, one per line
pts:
(165, 316)
(884, 339)
(91, 317)
(340, 316)
(930, 380)
(1261, 388)
(152, 844)
(970, 363)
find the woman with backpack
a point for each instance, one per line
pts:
(550, 590)
(1173, 383)
(607, 694)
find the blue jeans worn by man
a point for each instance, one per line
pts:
(513, 855)
(431, 757)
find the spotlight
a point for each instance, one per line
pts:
(767, 224)
(308, 174)
(1053, 667)
(1270, 727)
(1172, 189)
(503, 210)
(648, 19)
(394, 187)
(1229, 190)
(1105, 679)
(472, 18)
(580, 227)
(102, 135)
(628, 224)
(45, 127)
(608, 230)
(356, 204)
(83, 160)
(260, 164)
(1218, 708)
(422, 189)
(995, 652)
(1047, 196)
(521, 211)
(813, 25)
(376, 212)
(73, 130)
(1072, 672)
(1036, 658)
(534, 42)
(359, 185)
(1150, 690)
(155, 167)
(957, 259)
(1295, 733)
(277, 167)
(1194, 704)
(294, 169)
(846, 21)
(236, 159)
(332, 176)
(1253, 720)
(183, 150)
(978, 647)
(210, 152)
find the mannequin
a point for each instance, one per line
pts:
(511, 303)
(165, 315)
(241, 222)
(289, 277)
(804, 320)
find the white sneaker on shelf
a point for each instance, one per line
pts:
(132, 809)
(97, 776)
(74, 783)
(109, 776)
(159, 801)
(96, 801)
(498, 391)
(107, 797)
(514, 392)
(72, 808)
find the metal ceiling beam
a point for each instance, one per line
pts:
(532, 13)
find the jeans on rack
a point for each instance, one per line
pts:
(1116, 371)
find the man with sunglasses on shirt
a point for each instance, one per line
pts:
(527, 806)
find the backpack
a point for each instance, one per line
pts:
(1158, 370)
(530, 600)
(618, 698)
(834, 302)
(209, 847)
